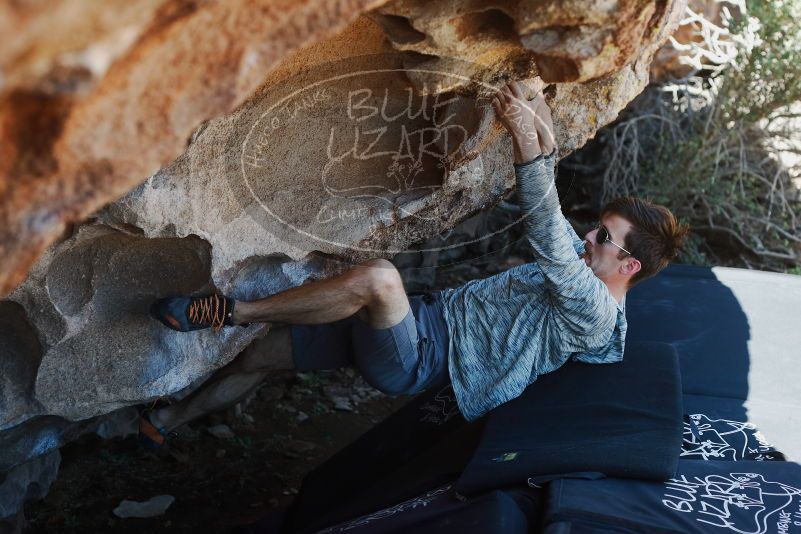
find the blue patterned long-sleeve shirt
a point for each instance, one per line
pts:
(529, 320)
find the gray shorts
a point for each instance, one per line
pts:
(402, 359)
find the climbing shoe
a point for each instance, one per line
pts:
(186, 314)
(151, 436)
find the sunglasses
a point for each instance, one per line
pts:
(603, 237)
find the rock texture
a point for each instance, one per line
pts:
(191, 61)
(138, 114)
(29, 457)
(22, 354)
(569, 41)
(26, 482)
(271, 148)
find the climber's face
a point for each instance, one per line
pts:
(604, 248)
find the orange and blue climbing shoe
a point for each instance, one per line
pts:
(186, 314)
(150, 435)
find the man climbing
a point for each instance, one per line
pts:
(490, 338)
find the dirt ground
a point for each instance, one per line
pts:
(293, 423)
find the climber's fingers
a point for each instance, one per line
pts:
(506, 92)
(515, 89)
(537, 85)
(504, 105)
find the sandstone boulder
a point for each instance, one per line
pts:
(254, 195)
(191, 61)
(286, 142)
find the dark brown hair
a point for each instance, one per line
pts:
(655, 236)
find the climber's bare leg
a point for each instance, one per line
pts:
(373, 290)
(233, 382)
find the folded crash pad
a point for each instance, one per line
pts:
(441, 511)
(704, 496)
(718, 428)
(589, 420)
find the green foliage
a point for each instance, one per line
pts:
(707, 147)
(767, 76)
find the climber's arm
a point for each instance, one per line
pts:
(527, 121)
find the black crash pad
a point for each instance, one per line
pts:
(622, 419)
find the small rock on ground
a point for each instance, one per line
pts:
(342, 403)
(152, 507)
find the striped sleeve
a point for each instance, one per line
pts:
(578, 243)
(583, 310)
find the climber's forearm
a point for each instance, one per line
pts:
(525, 149)
(528, 122)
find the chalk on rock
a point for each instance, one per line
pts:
(152, 507)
